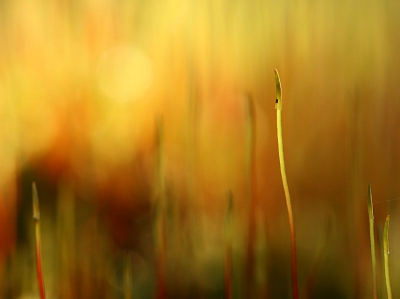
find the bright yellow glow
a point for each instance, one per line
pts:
(124, 73)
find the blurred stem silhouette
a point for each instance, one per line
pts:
(228, 253)
(161, 251)
(251, 189)
(127, 275)
(36, 218)
(372, 239)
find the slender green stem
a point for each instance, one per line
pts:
(278, 107)
(386, 256)
(372, 239)
(36, 218)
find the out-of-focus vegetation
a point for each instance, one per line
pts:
(81, 86)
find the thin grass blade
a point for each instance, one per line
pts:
(386, 256)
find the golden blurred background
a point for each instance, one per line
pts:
(83, 85)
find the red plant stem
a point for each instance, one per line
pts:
(36, 217)
(39, 265)
(295, 284)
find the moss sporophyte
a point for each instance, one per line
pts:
(278, 107)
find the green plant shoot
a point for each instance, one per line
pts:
(386, 256)
(278, 107)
